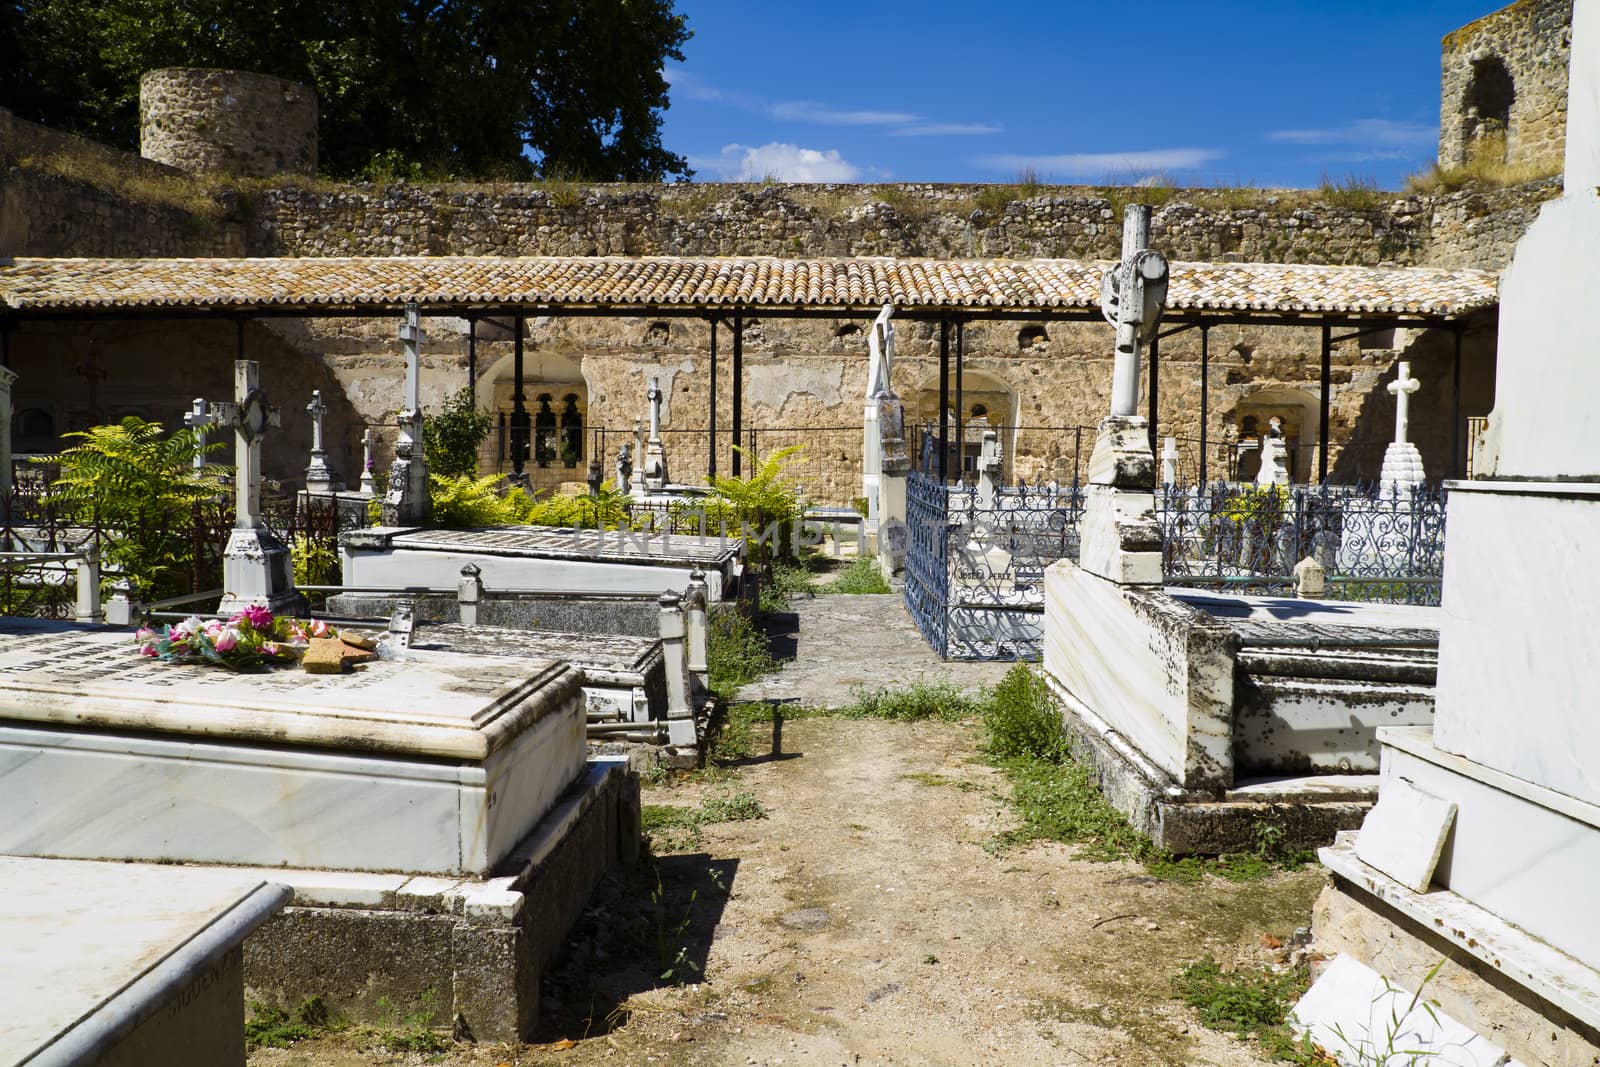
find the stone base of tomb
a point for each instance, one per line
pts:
(471, 950)
(258, 572)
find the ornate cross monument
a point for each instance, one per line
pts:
(655, 454)
(1402, 463)
(200, 417)
(368, 482)
(320, 475)
(256, 568)
(991, 469)
(1120, 539)
(406, 503)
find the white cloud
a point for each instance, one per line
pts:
(779, 161)
(946, 129)
(824, 115)
(1104, 164)
(1385, 133)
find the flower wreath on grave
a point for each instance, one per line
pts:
(252, 639)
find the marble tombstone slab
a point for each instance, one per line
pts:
(429, 768)
(541, 559)
(122, 965)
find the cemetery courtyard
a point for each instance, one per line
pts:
(888, 905)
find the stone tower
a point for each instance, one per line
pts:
(227, 121)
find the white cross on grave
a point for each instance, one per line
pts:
(655, 454)
(199, 418)
(1402, 463)
(368, 482)
(256, 568)
(320, 475)
(1133, 295)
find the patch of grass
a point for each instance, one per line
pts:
(862, 576)
(1251, 1005)
(675, 828)
(915, 702)
(1485, 168)
(413, 1031)
(786, 581)
(1022, 718)
(271, 1027)
(1352, 193)
(737, 653)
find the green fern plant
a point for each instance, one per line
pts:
(764, 506)
(139, 485)
(463, 501)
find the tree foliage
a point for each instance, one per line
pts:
(458, 89)
(451, 438)
(140, 486)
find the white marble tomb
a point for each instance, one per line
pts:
(122, 965)
(542, 559)
(429, 768)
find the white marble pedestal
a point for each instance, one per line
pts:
(437, 768)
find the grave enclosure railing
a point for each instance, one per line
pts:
(975, 562)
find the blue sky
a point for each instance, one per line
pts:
(1267, 94)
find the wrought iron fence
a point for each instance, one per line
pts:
(827, 466)
(975, 558)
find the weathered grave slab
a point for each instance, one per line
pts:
(541, 559)
(437, 767)
(122, 965)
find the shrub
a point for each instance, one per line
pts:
(1022, 718)
(763, 506)
(451, 437)
(140, 485)
(913, 703)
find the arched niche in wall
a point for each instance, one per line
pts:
(1299, 415)
(556, 398)
(1487, 106)
(987, 403)
(33, 431)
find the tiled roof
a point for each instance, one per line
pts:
(439, 283)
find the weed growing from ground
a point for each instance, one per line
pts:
(913, 703)
(737, 653)
(272, 1027)
(413, 1032)
(862, 576)
(675, 828)
(1251, 1004)
(1022, 719)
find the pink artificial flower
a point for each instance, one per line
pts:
(320, 629)
(227, 639)
(259, 618)
(144, 633)
(147, 650)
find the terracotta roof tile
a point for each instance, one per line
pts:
(842, 284)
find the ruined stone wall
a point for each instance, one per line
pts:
(227, 121)
(1505, 77)
(1481, 228)
(62, 195)
(948, 221)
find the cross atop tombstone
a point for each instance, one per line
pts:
(199, 418)
(406, 503)
(320, 475)
(991, 467)
(655, 454)
(1402, 463)
(368, 482)
(1133, 295)
(256, 567)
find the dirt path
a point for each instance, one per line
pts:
(864, 922)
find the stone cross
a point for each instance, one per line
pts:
(1402, 387)
(256, 567)
(198, 418)
(320, 476)
(1133, 295)
(880, 360)
(1169, 462)
(653, 395)
(368, 482)
(406, 503)
(990, 469)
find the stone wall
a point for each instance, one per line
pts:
(947, 221)
(62, 195)
(227, 121)
(1504, 78)
(1481, 228)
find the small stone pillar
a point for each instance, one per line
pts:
(469, 594)
(1310, 579)
(697, 625)
(88, 607)
(1169, 462)
(680, 709)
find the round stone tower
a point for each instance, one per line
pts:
(227, 121)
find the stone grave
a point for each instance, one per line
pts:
(1486, 836)
(125, 965)
(1205, 714)
(415, 809)
(538, 559)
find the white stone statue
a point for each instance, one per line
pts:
(880, 355)
(1169, 462)
(1274, 456)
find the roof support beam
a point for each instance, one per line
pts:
(711, 421)
(738, 389)
(1322, 420)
